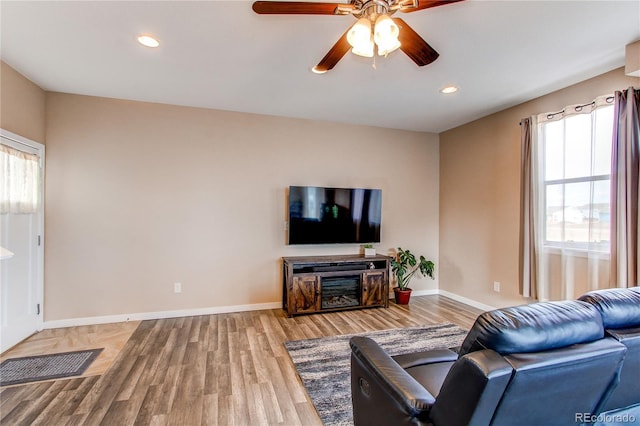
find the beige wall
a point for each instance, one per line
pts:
(140, 196)
(22, 105)
(480, 194)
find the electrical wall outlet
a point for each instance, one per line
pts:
(496, 286)
(177, 287)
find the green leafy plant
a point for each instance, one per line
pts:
(367, 246)
(405, 266)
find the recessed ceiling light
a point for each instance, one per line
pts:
(448, 89)
(147, 40)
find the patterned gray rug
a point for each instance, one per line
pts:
(324, 364)
(28, 369)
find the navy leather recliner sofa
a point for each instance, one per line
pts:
(546, 363)
(620, 311)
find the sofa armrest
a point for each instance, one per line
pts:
(382, 391)
(426, 357)
(472, 390)
(626, 336)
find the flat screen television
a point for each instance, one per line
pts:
(334, 215)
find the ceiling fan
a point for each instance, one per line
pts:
(375, 29)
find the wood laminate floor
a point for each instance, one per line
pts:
(224, 369)
(110, 337)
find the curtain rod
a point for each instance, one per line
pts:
(577, 108)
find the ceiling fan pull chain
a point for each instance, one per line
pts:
(374, 62)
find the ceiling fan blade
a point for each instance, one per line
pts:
(426, 4)
(298, 8)
(334, 55)
(414, 46)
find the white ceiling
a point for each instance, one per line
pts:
(221, 55)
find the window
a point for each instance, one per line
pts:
(569, 243)
(576, 173)
(19, 181)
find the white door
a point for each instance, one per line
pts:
(21, 243)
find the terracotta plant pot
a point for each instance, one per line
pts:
(402, 296)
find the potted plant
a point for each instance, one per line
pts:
(404, 266)
(369, 250)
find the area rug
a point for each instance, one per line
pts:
(28, 369)
(324, 364)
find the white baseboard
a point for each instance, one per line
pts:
(72, 322)
(425, 292)
(467, 301)
(450, 295)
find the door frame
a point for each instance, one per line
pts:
(27, 145)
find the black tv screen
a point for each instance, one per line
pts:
(334, 215)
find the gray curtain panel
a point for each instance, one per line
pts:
(625, 178)
(528, 263)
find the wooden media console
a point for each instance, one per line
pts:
(332, 283)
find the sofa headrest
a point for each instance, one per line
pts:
(619, 307)
(534, 328)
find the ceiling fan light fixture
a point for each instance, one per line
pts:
(385, 35)
(374, 29)
(359, 37)
(385, 49)
(385, 30)
(364, 49)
